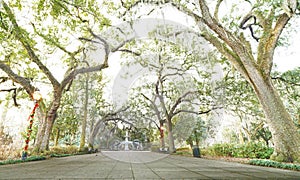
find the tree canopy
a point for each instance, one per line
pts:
(46, 44)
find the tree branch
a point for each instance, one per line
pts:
(228, 53)
(130, 51)
(286, 81)
(114, 49)
(19, 33)
(179, 100)
(197, 113)
(270, 41)
(75, 72)
(217, 9)
(3, 79)
(154, 106)
(14, 95)
(56, 43)
(18, 79)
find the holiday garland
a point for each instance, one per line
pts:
(29, 130)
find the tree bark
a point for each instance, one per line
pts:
(170, 136)
(285, 135)
(257, 72)
(85, 113)
(162, 136)
(43, 141)
(56, 137)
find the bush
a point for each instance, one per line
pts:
(269, 163)
(58, 151)
(205, 152)
(15, 161)
(54, 152)
(155, 147)
(252, 150)
(7, 148)
(221, 150)
(184, 151)
(249, 150)
(64, 150)
(60, 155)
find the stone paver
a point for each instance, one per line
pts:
(138, 165)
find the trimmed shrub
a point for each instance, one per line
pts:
(270, 163)
(15, 161)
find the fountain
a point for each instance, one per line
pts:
(126, 143)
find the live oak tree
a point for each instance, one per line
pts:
(169, 89)
(251, 55)
(109, 118)
(53, 32)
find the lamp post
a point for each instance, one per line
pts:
(36, 97)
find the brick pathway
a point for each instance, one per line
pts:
(139, 165)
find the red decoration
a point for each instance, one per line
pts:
(29, 130)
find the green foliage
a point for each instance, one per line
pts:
(269, 163)
(67, 123)
(60, 155)
(221, 150)
(155, 147)
(15, 161)
(183, 153)
(253, 150)
(64, 150)
(288, 86)
(261, 132)
(249, 150)
(198, 133)
(205, 152)
(58, 151)
(54, 152)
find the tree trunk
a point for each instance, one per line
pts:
(284, 132)
(50, 121)
(248, 134)
(162, 137)
(85, 113)
(94, 133)
(170, 136)
(191, 144)
(241, 137)
(197, 139)
(43, 142)
(57, 137)
(40, 134)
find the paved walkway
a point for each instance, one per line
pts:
(138, 165)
